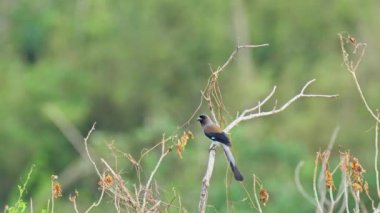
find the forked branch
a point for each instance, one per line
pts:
(256, 112)
(212, 96)
(352, 65)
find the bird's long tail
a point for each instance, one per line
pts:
(232, 162)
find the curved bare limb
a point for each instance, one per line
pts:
(212, 96)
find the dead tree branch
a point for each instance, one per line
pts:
(212, 96)
(249, 114)
(164, 152)
(352, 60)
(352, 65)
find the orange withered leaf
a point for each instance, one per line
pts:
(182, 142)
(264, 196)
(106, 182)
(57, 190)
(329, 179)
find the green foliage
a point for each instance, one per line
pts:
(136, 68)
(20, 205)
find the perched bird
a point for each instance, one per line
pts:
(216, 134)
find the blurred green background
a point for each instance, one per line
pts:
(137, 68)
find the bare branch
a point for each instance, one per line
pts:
(325, 170)
(98, 202)
(332, 205)
(120, 183)
(73, 200)
(194, 113)
(351, 60)
(255, 193)
(147, 186)
(235, 52)
(88, 152)
(249, 196)
(356, 196)
(319, 207)
(299, 185)
(344, 166)
(352, 67)
(325, 180)
(155, 207)
(248, 114)
(377, 157)
(261, 103)
(212, 95)
(206, 179)
(52, 196)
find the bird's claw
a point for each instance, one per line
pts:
(212, 147)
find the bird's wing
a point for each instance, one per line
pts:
(219, 137)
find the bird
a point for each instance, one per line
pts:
(216, 134)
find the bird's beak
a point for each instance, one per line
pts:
(199, 119)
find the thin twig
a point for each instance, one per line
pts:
(212, 93)
(261, 103)
(179, 203)
(322, 176)
(345, 184)
(147, 186)
(325, 166)
(52, 195)
(193, 114)
(146, 151)
(377, 157)
(235, 52)
(319, 207)
(88, 152)
(255, 193)
(132, 201)
(332, 205)
(248, 115)
(116, 203)
(73, 200)
(299, 186)
(340, 192)
(98, 202)
(356, 196)
(353, 68)
(363, 97)
(370, 198)
(249, 197)
(75, 207)
(155, 207)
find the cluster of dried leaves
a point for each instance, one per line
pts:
(56, 189)
(349, 165)
(182, 142)
(144, 196)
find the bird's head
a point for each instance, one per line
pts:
(203, 119)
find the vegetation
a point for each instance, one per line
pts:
(136, 69)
